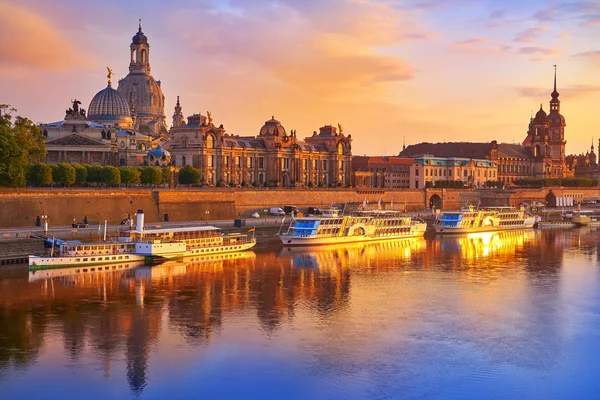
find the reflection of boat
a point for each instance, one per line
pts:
(40, 274)
(490, 219)
(180, 267)
(184, 241)
(76, 253)
(237, 255)
(329, 255)
(484, 244)
(364, 226)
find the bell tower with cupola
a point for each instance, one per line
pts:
(557, 125)
(142, 91)
(140, 52)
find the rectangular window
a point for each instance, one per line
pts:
(238, 161)
(249, 162)
(261, 162)
(416, 171)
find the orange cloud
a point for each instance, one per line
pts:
(529, 35)
(481, 45)
(571, 91)
(327, 52)
(30, 40)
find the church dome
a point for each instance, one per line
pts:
(158, 157)
(109, 106)
(272, 127)
(145, 94)
(541, 117)
(139, 37)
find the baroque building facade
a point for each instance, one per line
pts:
(541, 155)
(420, 172)
(273, 158)
(126, 127)
(142, 92)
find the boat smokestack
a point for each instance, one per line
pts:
(139, 226)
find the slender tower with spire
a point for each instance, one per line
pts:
(178, 115)
(557, 125)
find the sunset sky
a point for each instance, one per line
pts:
(427, 70)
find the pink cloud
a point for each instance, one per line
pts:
(529, 35)
(33, 42)
(537, 50)
(481, 45)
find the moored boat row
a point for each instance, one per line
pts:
(142, 244)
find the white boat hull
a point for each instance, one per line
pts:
(292, 240)
(442, 230)
(219, 249)
(68, 261)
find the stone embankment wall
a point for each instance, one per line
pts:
(63, 206)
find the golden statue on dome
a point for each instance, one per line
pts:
(209, 116)
(109, 76)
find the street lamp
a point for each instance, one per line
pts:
(44, 218)
(206, 215)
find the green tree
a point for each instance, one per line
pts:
(81, 174)
(12, 156)
(29, 138)
(94, 173)
(151, 176)
(111, 175)
(65, 174)
(189, 175)
(166, 175)
(39, 174)
(130, 176)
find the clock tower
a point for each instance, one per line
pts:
(546, 139)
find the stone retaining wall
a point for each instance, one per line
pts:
(20, 208)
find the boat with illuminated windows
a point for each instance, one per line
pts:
(165, 243)
(363, 226)
(76, 253)
(491, 219)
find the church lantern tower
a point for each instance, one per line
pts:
(143, 92)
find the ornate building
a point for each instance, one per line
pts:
(541, 155)
(584, 165)
(142, 92)
(273, 158)
(471, 172)
(79, 140)
(381, 172)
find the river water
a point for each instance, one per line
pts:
(495, 316)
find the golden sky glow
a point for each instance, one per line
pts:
(459, 70)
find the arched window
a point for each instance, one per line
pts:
(210, 142)
(183, 161)
(144, 56)
(340, 148)
(132, 55)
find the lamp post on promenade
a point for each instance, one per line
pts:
(44, 218)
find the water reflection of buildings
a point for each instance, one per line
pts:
(361, 255)
(107, 314)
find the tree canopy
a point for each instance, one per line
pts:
(189, 175)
